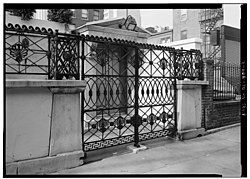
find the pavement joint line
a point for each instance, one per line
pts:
(211, 131)
(164, 165)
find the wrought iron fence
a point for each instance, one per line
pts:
(40, 51)
(227, 81)
(189, 64)
(64, 56)
(26, 50)
(131, 87)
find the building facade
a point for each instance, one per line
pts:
(80, 16)
(210, 27)
(185, 24)
(114, 13)
(230, 44)
(164, 37)
(198, 23)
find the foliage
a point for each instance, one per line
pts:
(25, 14)
(60, 15)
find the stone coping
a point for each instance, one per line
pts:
(186, 41)
(192, 82)
(227, 102)
(19, 83)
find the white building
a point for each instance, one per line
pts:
(114, 13)
(41, 14)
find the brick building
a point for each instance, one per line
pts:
(219, 41)
(161, 37)
(230, 44)
(186, 24)
(119, 13)
(80, 16)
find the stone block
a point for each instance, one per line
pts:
(51, 164)
(190, 134)
(66, 124)
(11, 169)
(28, 116)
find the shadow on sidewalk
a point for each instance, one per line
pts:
(97, 155)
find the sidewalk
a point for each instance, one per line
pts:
(216, 153)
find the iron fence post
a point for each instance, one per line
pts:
(136, 136)
(49, 56)
(175, 91)
(56, 55)
(81, 76)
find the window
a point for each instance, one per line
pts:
(183, 14)
(106, 15)
(96, 16)
(165, 40)
(74, 13)
(183, 34)
(206, 39)
(114, 13)
(85, 14)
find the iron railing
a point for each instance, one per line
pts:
(26, 50)
(40, 51)
(188, 64)
(227, 81)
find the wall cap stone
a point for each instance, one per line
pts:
(208, 61)
(66, 90)
(48, 164)
(225, 103)
(184, 84)
(24, 83)
(192, 82)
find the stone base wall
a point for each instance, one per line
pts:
(224, 113)
(43, 126)
(217, 113)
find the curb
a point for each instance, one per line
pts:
(211, 131)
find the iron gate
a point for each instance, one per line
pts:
(131, 87)
(131, 90)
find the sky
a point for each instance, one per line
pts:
(156, 17)
(232, 15)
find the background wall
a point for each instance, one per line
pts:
(27, 126)
(37, 23)
(156, 38)
(187, 44)
(191, 24)
(224, 113)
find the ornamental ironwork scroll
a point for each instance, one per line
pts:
(19, 50)
(26, 49)
(64, 57)
(189, 64)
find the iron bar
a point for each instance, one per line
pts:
(226, 81)
(136, 136)
(82, 95)
(175, 93)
